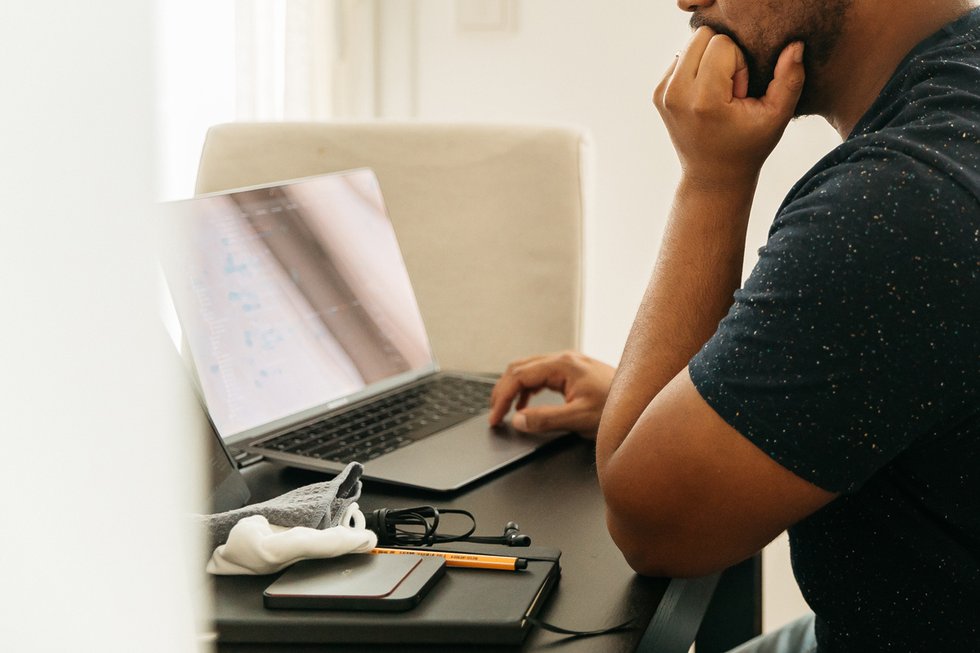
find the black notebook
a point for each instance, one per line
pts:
(467, 606)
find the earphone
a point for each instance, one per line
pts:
(418, 527)
(512, 537)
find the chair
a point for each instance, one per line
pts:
(489, 219)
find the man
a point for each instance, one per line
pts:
(838, 396)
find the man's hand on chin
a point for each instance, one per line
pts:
(721, 135)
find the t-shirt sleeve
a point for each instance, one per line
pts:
(846, 343)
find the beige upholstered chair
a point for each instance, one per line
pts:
(489, 219)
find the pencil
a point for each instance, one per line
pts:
(471, 560)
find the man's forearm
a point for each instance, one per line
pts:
(698, 270)
(655, 427)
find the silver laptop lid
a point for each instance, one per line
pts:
(294, 300)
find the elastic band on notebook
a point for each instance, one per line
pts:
(626, 625)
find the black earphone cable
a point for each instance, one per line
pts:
(417, 526)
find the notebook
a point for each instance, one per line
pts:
(466, 606)
(307, 342)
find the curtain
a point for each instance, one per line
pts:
(305, 59)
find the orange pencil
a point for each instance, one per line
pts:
(471, 560)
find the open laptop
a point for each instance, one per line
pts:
(307, 341)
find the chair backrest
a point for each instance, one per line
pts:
(489, 219)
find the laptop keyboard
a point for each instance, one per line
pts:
(387, 424)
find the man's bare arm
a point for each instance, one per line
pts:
(674, 473)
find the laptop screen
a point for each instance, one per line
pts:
(293, 299)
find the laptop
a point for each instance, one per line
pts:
(307, 343)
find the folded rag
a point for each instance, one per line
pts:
(319, 506)
(256, 547)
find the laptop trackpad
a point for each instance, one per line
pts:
(459, 455)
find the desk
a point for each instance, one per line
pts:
(555, 498)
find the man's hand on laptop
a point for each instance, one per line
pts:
(583, 381)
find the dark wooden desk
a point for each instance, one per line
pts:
(555, 498)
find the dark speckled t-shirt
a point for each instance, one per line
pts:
(852, 358)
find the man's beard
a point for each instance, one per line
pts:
(820, 37)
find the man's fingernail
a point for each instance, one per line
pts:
(798, 52)
(520, 421)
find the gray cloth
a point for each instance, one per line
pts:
(320, 505)
(795, 637)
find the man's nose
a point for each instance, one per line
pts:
(694, 5)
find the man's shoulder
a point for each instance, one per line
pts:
(900, 158)
(916, 152)
(878, 211)
(944, 68)
(888, 178)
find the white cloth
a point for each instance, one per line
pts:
(256, 547)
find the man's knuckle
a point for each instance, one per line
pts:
(670, 100)
(568, 358)
(720, 40)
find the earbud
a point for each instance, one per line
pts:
(514, 537)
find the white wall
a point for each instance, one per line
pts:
(593, 64)
(95, 477)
